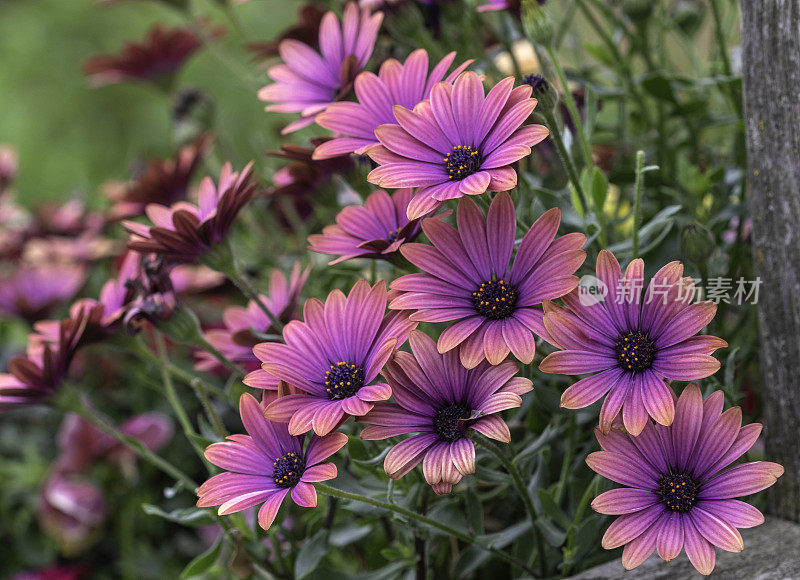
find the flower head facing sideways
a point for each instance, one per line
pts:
(184, 232)
(459, 142)
(466, 277)
(307, 81)
(395, 84)
(680, 491)
(378, 229)
(243, 325)
(332, 358)
(631, 342)
(441, 401)
(266, 465)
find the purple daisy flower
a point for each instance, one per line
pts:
(395, 84)
(332, 358)
(309, 81)
(631, 345)
(266, 465)
(440, 400)
(375, 230)
(459, 142)
(184, 231)
(679, 494)
(244, 325)
(466, 277)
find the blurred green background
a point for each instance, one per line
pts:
(72, 137)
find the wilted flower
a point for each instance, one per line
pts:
(441, 401)
(163, 181)
(157, 59)
(333, 357)
(375, 230)
(32, 292)
(184, 231)
(155, 297)
(245, 327)
(395, 84)
(265, 465)
(466, 276)
(458, 143)
(40, 373)
(72, 512)
(632, 344)
(680, 491)
(308, 81)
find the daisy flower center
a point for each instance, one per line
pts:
(288, 469)
(392, 236)
(449, 421)
(495, 299)
(462, 161)
(343, 380)
(677, 491)
(635, 351)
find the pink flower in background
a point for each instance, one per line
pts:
(680, 489)
(9, 164)
(72, 511)
(375, 230)
(395, 84)
(333, 357)
(266, 465)
(245, 326)
(309, 81)
(631, 343)
(33, 292)
(440, 400)
(459, 142)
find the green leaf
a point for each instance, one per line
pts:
(204, 561)
(599, 188)
(348, 534)
(311, 554)
(552, 535)
(187, 516)
(474, 511)
(551, 509)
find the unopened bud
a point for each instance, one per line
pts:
(697, 243)
(542, 91)
(537, 22)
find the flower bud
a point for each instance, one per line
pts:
(697, 243)
(537, 22)
(542, 91)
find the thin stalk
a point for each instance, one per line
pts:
(172, 395)
(637, 201)
(569, 101)
(211, 414)
(522, 490)
(568, 456)
(719, 34)
(82, 408)
(321, 487)
(177, 372)
(573, 529)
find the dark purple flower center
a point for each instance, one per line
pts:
(495, 299)
(343, 380)
(393, 235)
(288, 469)
(635, 351)
(677, 491)
(462, 161)
(450, 421)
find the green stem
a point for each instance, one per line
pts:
(522, 490)
(568, 455)
(637, 201)
(423, 520)
(172, 395)
(571, 106)
(566, 161)
(719, 33)
(569, 549)
(142, 351)
(81, 406)
(212, 415)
